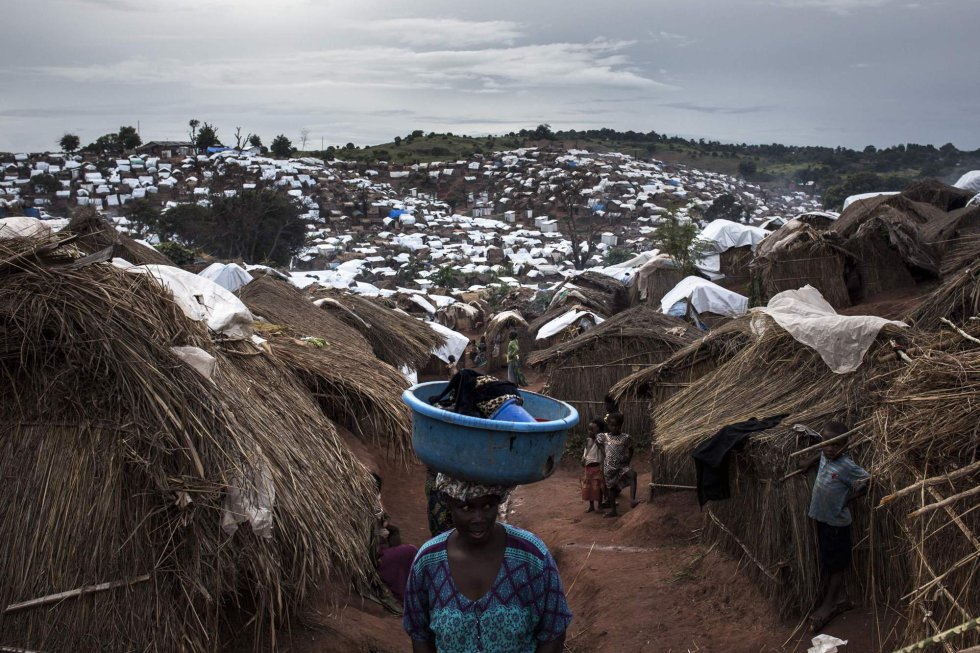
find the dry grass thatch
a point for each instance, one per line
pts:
(117, 458)
(582, 370)
(957, 300)
(653, 280)
(917, 421)
(735, 264)
(396, 338)
(353, 387)
(773, 375)
(595, 292)
(96, 234)
(797, 254)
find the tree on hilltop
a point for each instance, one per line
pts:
(281, 146)
(725, 207)
(193, 123)
(129, 138)
(207, 137)
(69, 143)
(254, 140)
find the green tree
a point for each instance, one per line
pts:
(46, 183)
(69, 143)
(129, 138)
(747, 168)
(254, 140)
(257, 226)
(207, 137)
(725, 207)
(176, 252)
(281, 146)
(178, 218)
(679, 240)
(193, 123)
(105, 144)
(615, 255)
(144, 218)
(445, 277)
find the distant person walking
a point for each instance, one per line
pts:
(514, 374)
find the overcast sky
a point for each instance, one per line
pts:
(821, 72)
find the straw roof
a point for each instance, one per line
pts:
(396, 338)
(687, 364)
(352, 386)
(95, 234)
(797, 254)
(957, 300)
(118, 460)
(654, 279)
(582, 370)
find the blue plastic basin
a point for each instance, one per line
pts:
(485, 450)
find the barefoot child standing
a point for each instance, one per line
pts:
(618, 450)
(593, 484)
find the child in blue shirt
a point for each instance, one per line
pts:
(839, 480)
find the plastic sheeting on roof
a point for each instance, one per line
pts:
(423, 302)
(841, 340)
(229, 276)
(23, 227)
(455, 344)
(863, 196)
(725, 234)
(969, 181)
(200, 299)
(566, 320)
(706, 297)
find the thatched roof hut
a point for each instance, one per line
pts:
(773, 375)
(581, 371)
(917, 421)
(125, 471)
(500, 325)
(334, 361)
(653, 280)
(798, 254)
(957, 300)
(95, 234)
(395, 337)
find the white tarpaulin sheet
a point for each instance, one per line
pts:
(825, 644)
(229, 276)
(705, 296)
(864, 196)
(725, 234)
(23, 227)
(969, 181)
(456, 343)
(841, 340)
(566, 320)
(201, 299)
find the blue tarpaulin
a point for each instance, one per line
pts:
(396, 213)
(32, 212)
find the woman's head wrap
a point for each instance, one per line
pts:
(467, 490)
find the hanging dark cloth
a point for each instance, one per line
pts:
(711, 456)
(468, 389)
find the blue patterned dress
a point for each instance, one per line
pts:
(525, 605)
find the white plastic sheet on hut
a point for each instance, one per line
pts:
(23, 227)
(200, 299)
(229, 276)
(969, 181)
(705, 296)
(864, 196)
(455, 343)
(841, 340)
(564, 321)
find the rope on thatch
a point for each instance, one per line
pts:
(95, 415)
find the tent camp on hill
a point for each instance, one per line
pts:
(151, 471)
(582, 370)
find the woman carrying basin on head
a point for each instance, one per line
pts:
(484, 586)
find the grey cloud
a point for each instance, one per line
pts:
(689, 106)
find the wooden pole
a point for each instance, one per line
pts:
(72, 594)
(928, 482)
(938, 638)
(945, 502)
(821, 445)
